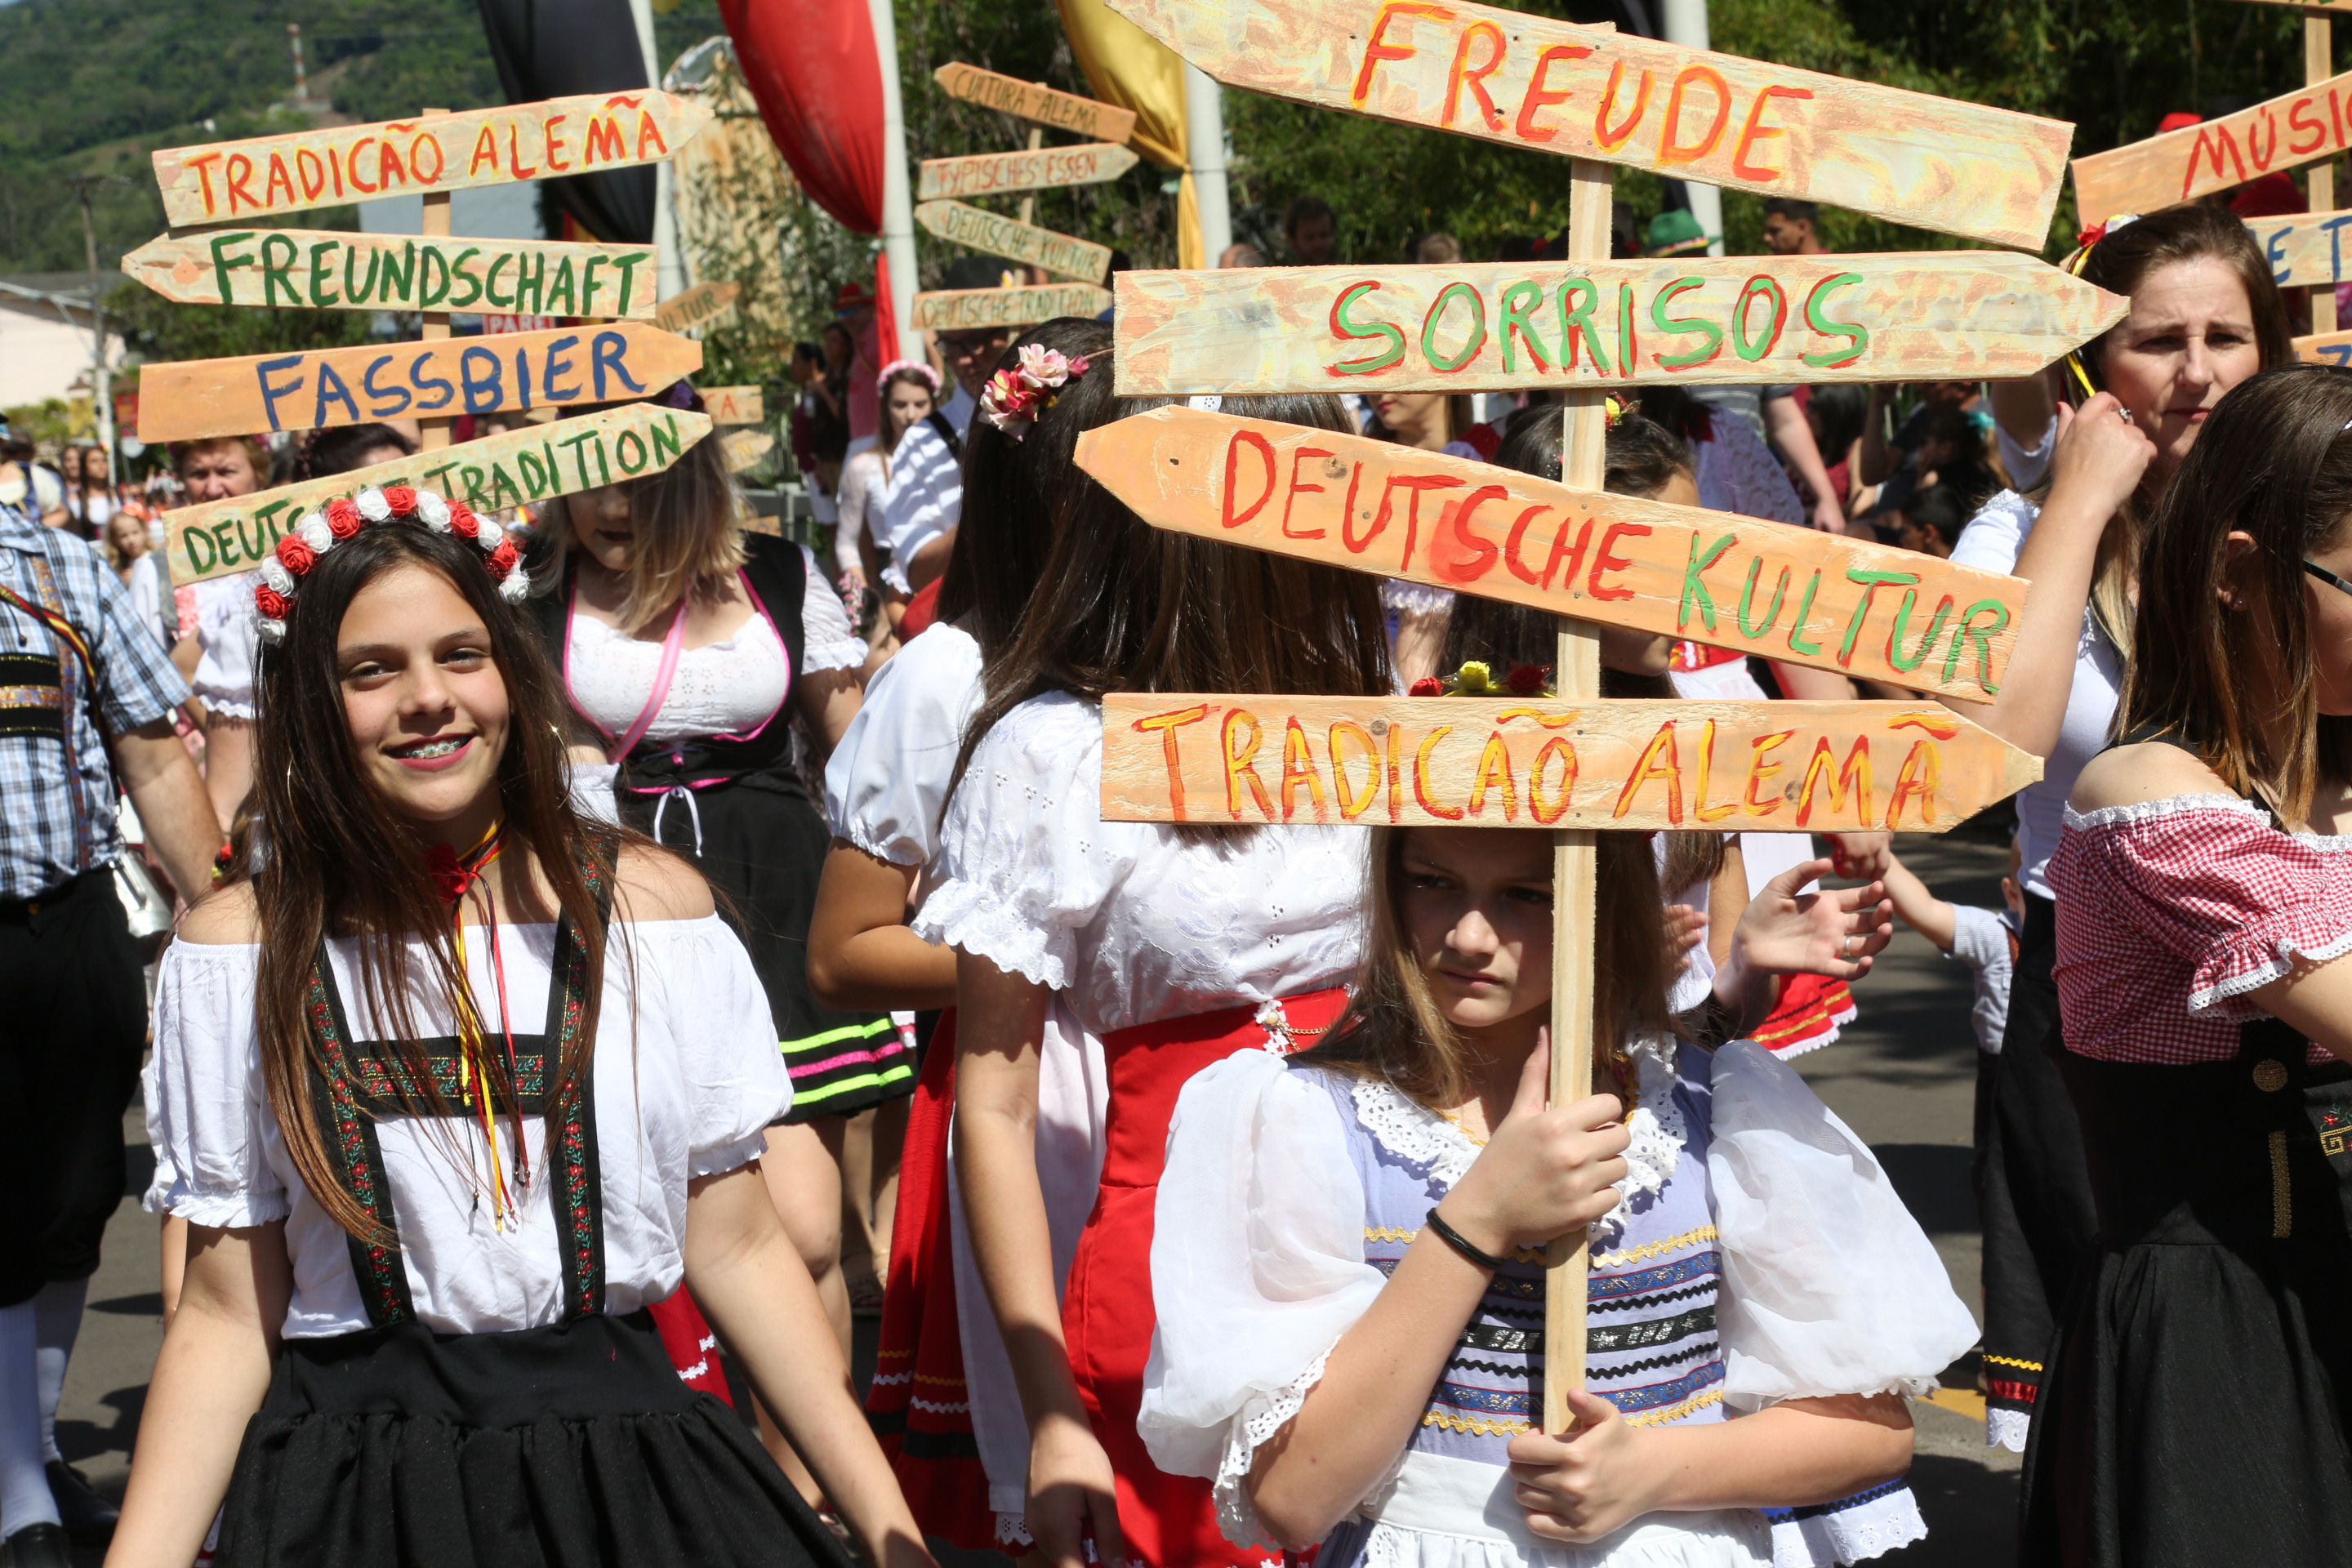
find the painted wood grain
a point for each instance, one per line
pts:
(1512, 326)
(2324, 348)
(1453, 761)
(262, 176)
(2305, 248)
(313, 269)
(745, 448)
(735, 405)
(1043, 168)
(998, 236)
(186, 400)
(1528, 81)
(961, 309)
(2284, 133)
(217, 539)
(696, 307)
(1063, 110)
(1790, 594)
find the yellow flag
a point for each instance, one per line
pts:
(1127, 67)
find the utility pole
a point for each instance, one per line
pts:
(301, 79)
(100, 375)
(1205, 148)
(897, 209)
(670, 263)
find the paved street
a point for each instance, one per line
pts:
(1902, 1077)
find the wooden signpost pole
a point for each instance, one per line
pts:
(1575, 856)
(1037, 141)
(2318, 65)
(434, 429)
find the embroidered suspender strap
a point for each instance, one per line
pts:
(377, 1265)
(578, 1195)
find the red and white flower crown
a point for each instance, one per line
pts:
(321, 530)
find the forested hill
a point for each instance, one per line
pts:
(92, 87)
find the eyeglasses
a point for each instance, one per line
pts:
(2325, 576)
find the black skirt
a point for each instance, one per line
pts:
(2197, 1409)
(569, 1447)
(760, 840)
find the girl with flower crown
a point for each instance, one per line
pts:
(909, 390)
(449, 1092)
(690, 648)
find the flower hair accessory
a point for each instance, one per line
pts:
(930, 377)
(1477, 679)
(2095, 233)
(317, 532)
(1014, 397)
(1613, 411)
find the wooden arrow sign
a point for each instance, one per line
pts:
(1063, 110)
(986, 231)
(1527, 82)
(227, 181)
(1456, 761)
(961, 309)
(186, 400)
(735, 405)
(521, 466)
(316, 271)
(2291, 130)
(992, 174)
(1510, 326)
(696, 307)
(1788, 594)
(2304, 247)
(2324, 348)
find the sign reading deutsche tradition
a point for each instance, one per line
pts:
(1543, 762)
(961, 310)
(186, 400)
(516, 469)
(264, 176)
(316, 271)
(1529, 82)
(1512, 326)
(1792, 593)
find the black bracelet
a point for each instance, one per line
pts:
(1461, 1244)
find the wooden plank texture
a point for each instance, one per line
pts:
(227, 182)
(185, 400)
(1511, 326)
(1039, 169)
(2305, 247)
(1460, 762)
(314, 269)
(1790, 593)
(696, 307)
(1063, 110)
(999, 236)
(959, 310)
(735, 405)
(217, 539)
(1528, 81)
(2284, 133)
(2324, 348)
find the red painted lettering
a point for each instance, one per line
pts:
(1753, 131)
(1376, 48)
(1474, 76)
(1670, 152)
(1265, 450)
(1604, 561)
(1540, 97)
(1291, 496)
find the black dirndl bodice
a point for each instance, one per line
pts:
(574, 1445)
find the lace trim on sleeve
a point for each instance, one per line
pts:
(1412, 1131)
(962, 915)
(1414, 598)
(2205, 1002)
(1257, 1421)
(1868, 1524)
(2154, 810)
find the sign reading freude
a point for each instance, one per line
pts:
(1788, 594)
(1539, 761)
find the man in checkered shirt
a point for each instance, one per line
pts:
(86, 696)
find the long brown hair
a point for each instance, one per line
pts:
(1124, 607)
(688, 522)
(1394, 1028)
(342, 862)
(2274, 461)
(2120, 262)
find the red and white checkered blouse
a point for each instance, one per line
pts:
(2170, 911)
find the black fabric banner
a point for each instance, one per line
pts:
(556, 49)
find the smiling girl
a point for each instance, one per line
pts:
(2204, 316)
(449, 1092)
(1349, 1276)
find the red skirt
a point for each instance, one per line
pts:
(1170, 1522)
(1812, 1010)
(919, 1405)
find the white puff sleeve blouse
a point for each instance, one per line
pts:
(886, 785)
(685, 1088)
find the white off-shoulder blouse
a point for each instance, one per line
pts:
(686, 1082)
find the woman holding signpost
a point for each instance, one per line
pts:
(1176, 945)
(2199, 1408)
(2204, 316)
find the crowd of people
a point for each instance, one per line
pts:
(1201, 1177)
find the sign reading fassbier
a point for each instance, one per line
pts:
(1541, 761)
(263, 176)
(1788, 594)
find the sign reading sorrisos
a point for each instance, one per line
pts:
(1510, 327)
(316, 271)
(267, 176)
(515, 468)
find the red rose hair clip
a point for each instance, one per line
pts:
(321, 530)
